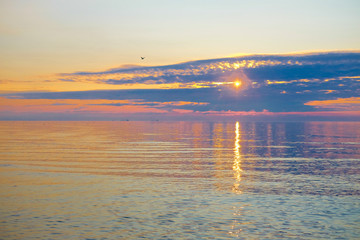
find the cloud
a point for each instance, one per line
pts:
(281, 84)
(258, 68)
(340, 104)
(203, 99)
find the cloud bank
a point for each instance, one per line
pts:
(213, 71)
(268, 84)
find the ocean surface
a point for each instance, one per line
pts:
(179, 180)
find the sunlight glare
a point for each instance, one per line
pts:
(237, 160)
(237, 83)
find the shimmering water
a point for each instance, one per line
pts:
(179, 180)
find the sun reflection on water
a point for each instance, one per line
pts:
(237, 160)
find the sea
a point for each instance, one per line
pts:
(179, 180)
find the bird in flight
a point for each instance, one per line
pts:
(142, 58)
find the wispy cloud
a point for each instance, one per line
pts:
(340, 104)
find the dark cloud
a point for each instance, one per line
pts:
(317, 70)
(256, 67)
(218, 99)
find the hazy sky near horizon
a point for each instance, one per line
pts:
(44, 44)
(40, 37)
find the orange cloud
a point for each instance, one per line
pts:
(104, 109)
(344, 104)
(95, 105)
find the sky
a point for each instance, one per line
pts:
(204, 59)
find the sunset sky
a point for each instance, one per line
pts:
(204, 59)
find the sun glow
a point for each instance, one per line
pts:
(237, 84)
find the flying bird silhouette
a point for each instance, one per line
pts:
(142, 58)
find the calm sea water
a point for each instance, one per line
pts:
(179, 180)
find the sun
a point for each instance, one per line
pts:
(237, 83)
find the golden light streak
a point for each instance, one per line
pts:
(237, 160)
